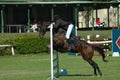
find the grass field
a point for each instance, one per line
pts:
(37, 67)
(83, 34)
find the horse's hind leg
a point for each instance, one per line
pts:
(96, 67)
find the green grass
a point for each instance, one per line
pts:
(37, 67)
(83, 34)
(102, 33)
(11, 35)
(27, 67)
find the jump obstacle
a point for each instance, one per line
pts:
(102, 42)
(57, 73)
(12, 48)
(54, 59)
(116, 42)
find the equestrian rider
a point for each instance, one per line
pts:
(59, 23)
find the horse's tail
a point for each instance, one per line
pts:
(101, 51)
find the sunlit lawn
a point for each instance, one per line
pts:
(83, 34)
(37, 67)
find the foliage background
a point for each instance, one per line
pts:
(28, 43)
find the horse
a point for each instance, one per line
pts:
(44, 28)
(83, 48)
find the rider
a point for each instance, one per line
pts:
(59, 23)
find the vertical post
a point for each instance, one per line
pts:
(88, 38)
(76, 16)
(108, 17)
(118, 24)
(2, 20)
(52, 13)
(51, 52)
(92, 19)
(96, 13)
(28, 17)
(12, 49)
(57, 63)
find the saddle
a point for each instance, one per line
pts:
(73, 42)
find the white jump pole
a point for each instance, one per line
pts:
(51, 51)
(52, 77)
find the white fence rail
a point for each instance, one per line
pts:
(12, 48)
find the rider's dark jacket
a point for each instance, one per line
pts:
(59, 23)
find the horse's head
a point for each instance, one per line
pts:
(43, 29)
(59, 40)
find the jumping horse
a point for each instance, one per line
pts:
(83, 48)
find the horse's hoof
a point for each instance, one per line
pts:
(95, 75)
(105, 60)
(100, 75)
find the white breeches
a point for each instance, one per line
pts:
(69, 30)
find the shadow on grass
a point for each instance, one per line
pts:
(79, 75)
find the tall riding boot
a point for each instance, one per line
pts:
(69, 44)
